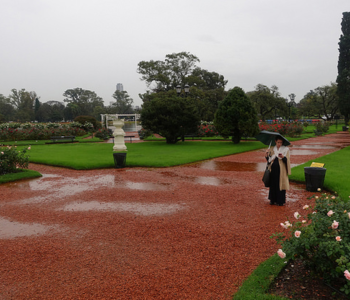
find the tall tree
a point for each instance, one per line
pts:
(321, 102)
(23, 101)
(236, 116)
(7, 111)
(166, 75)
(81, 102)
(207, 88)
(343, 78)
(123, 104)
(170, 116)
(267, 101)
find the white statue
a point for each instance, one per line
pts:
(119, 144)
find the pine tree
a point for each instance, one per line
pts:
(343, 78)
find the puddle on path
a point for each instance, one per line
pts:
(209, 180)
(289, 196)
(144, 186)
(302, 152)
(148, 209)
(231, 166)
(9, 229)
(315, 146)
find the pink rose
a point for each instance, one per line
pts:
(338, 239)
(347, 274)
(297, 233)
(281, 254)
(296, 215)
(306, 207)
(284, 226)
(335, 224)
(349, 215)
(330, 213)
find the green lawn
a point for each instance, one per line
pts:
(150, 154)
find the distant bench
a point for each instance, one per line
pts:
(130, 137)
(62, 138)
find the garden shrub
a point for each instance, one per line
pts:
(321, 239)
(12, 160)
(207, 130)
(144, 133)
(322, 127)
(103, 133)
(86, 121)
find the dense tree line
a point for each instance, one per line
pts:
(25, 106)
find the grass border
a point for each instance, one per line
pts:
(24, 174)
(255, 287)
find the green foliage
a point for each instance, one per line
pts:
(170, 116)
(103, 134)
(12, 159)
(87, 121)
(267, 101)
(320, 102)
(236, 116)
(144, 133)
(322, 127)
(321, 238)
(207, 88)
(343, 78)
(123, 103)
(80, 102)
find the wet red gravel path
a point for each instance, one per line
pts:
(188, 232)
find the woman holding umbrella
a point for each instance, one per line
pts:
(279, 164)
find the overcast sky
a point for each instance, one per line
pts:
(49, 46)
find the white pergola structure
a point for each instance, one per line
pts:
(110, 117)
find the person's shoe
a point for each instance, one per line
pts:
(271, 203)
(280, 204)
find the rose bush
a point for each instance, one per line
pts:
(12, 159)
(287, 129)
(38, 131)
(320, 237)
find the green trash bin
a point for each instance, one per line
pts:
(119, 160)
(314, 178)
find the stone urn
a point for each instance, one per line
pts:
(119, 144)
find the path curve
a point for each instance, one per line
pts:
(187, 232)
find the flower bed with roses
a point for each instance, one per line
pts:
(38, 131)
(287, 129)
(207, 130)
(12, 159)
(320, 237)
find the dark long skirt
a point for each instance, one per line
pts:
(276, 196)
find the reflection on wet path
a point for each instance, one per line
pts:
(314, 146)
(10, 229)
(133, 207)
(214, 165)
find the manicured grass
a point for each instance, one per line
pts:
(258, 283)
(337, 174)
(25, 174)
(150, 154)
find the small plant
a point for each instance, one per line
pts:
(143, 133)
(103, 133)
(321, 238)
(12, 160)
(322, 127)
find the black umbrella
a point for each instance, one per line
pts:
(268, 138)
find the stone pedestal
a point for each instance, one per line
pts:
(119, 144)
